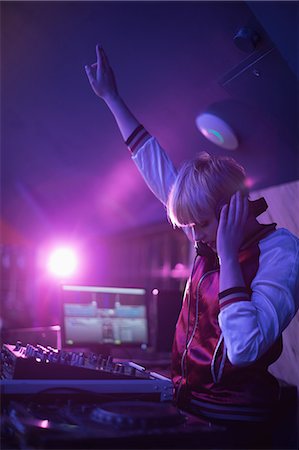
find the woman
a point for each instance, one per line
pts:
(243, 289)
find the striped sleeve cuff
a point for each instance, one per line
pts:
(233, 295)
(137, 138)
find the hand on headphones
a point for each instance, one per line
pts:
(231, 228)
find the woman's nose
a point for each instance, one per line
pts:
(197, 233)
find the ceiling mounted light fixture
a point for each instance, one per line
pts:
(247, 39)
(217, 131)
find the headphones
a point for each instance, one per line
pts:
(256, 207)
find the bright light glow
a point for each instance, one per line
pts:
(155, 291)
(108, 290)
(62, 262)
(44, 423)
(249, 182)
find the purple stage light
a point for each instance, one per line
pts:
(249, 182)
(62, 262)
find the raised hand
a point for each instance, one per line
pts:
(231, 228)
(101, 76)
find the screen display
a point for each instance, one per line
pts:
(104, 315)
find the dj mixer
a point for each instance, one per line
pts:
(65, 399)
(32, 369)
(56, 399)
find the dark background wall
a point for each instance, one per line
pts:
(66, 176)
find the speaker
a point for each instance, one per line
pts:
(167, 306)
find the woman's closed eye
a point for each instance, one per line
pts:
(203, 224)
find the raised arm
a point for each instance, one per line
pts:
(150, 159)
(102, 81)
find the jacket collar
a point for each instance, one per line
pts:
(261, 233)
(258, 207)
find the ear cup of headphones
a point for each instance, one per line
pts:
(223, 202)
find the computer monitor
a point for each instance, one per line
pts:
(98, 317)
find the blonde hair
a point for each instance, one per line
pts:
(203, 184)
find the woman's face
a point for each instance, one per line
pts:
(206, 230)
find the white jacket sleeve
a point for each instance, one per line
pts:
(156, 168)
(251, 327)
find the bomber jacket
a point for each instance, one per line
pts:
(225, 341)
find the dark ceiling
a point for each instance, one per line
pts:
(65, 170)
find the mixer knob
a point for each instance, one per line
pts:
(33, 352)
(63, 358)
(40, 355)
(42, 348)
(76, 359)
(103, 364)
(118, 368)
(99, 361)
(128, 370)
(68, 358)
(53, 357)
(54, 354)
(73, 359)
(51, 349)
(29, 351)
(18, 345)
(81, 359)
(92, 359)
(109, 364)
